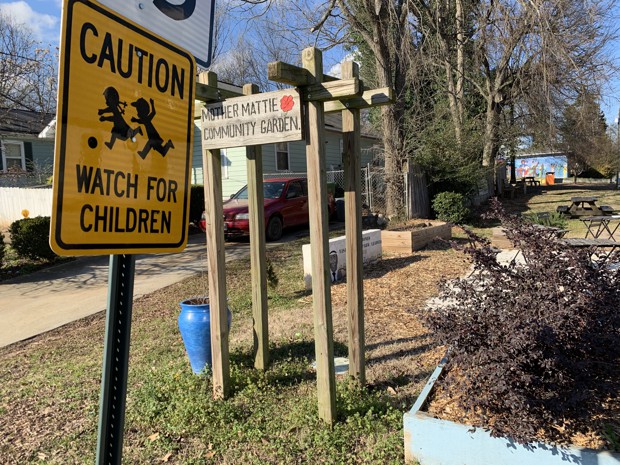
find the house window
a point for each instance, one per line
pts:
(282, 160)
(13, 156)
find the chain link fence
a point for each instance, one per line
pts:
(19, 178)
(373, 186)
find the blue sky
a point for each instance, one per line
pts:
(43, 17)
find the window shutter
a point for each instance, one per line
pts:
(28, 156)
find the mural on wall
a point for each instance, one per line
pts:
(538, 167)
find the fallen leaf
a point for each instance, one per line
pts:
(154, 437)
(166, 457)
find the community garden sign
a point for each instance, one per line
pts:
(252, 120)
(124, 137)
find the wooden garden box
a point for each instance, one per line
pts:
(416, 238)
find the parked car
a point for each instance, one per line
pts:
(286, 204)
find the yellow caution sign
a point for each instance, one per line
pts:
(123, 139)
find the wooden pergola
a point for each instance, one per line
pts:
(319, 94)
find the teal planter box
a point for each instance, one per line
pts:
(432, 441)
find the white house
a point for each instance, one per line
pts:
(281, 158)
(26, 148)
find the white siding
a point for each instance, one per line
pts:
(197, 173)
(333, 151)
(237, 171)
(43, 154)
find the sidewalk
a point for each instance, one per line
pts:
(55, 296)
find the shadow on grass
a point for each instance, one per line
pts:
(401, 340)
(399, 354)
(520, 203)
(290, 364)
(401, 380)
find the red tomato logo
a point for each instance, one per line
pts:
(287, 103)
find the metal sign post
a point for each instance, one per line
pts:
(124, 145)
(115, 360)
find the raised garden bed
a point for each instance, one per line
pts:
(535, 348)
(414, 235)
(433, 441)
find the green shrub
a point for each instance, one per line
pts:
(30, 238)
(196, 203)
(550, 219)
(451, 207)
(1, 249)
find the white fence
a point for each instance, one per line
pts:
(13, 200)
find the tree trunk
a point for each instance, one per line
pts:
(455, 105)
(491, 131)
(460, 63)
(394, 157)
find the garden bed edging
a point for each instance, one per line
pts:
(414, 239)
(432, 441)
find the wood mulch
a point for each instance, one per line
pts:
(409, 225)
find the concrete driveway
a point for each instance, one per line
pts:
(55, 296)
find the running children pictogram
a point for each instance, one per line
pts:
(116, 109)
(146, 113)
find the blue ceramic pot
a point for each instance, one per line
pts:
(195, 326)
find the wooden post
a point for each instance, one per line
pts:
(216, 259)
(351, 133)
(312, 61)
(258, 265)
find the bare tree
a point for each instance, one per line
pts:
(383, 27)
(281, 29)
(247, 59)
(530, 53)
(27, 70)
(585, 137)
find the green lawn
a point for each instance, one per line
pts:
(50, 386)
(50, 390)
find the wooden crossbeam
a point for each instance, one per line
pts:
(292, 75)
(334, 90)
(370, 98)
(208, 93)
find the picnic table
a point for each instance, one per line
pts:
(585, 206)
(597, 247)
(550, 232)
(527, 181)
(530, 181)
(597, 225)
